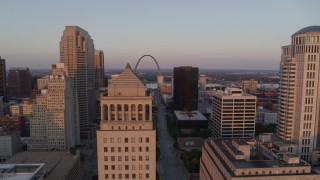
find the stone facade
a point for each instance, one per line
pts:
(126, 141)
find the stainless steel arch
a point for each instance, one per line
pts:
(135, 68)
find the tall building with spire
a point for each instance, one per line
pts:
(299, 96)
(126, 141)
(77, 53)
(51, 125)
(99, 68)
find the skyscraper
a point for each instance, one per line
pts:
(99, 68)
(233, 114)
(126, 141)
(51, 125)
(77, 52)
(19, 83)
(299, 96)
(185, 92)
(3, 78)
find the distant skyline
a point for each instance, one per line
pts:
(205, 34)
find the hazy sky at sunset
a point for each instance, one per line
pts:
(207, 34)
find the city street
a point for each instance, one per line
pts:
(89, 166)
(169, 166)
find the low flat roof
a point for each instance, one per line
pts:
(191, 115)
(241, 164)
(21, 171)
(57, 163)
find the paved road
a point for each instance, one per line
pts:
(169, 166)
(90, 165)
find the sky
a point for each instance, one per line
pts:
(208, 34)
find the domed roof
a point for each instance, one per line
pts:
(307, 30)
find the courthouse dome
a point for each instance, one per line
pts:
(308, 29)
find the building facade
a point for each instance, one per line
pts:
(19, 83)
(51, 125)
(185, 90)
(237, 159)
(3, 78)
(233, 114)
(299, 96)
(99, 69)
(8, 123)
(249, 86)
(126, 141)
(77, 53)
(9, 143)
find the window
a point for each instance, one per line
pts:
(140, 167)
(105, 167)
(140, 140)
(133, 176)
(147, 158)
(126, 149)
(133, 158)
(125, 140)
(133, 149)
(127, 176)
(140, 149)
(119, 140)
(126, 167)
(119, 167)
(112, 140)
(119, 149)
(147, 149)
(147, 175)
(126, 158)
(113, 167)
(119, 158)
(112, 158)
(120, 176)
(133, 167)
(106, 158)
(133, 140)
(140, 158)
(112, 149)
(147, 139)
(105, 149)
(147, 167)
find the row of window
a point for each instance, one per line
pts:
(126, 140)
(127, 176)
(305, 39)
(126, 167)
(126, 149)
(126, 158)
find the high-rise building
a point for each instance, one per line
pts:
(185, 91)
(77, 52)
(3, 78)
(99, 68)
(233, 114)
(249, 86)
(19, 83)
(51, 125)
(299, 96)
(126, 141)
(1, 107)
